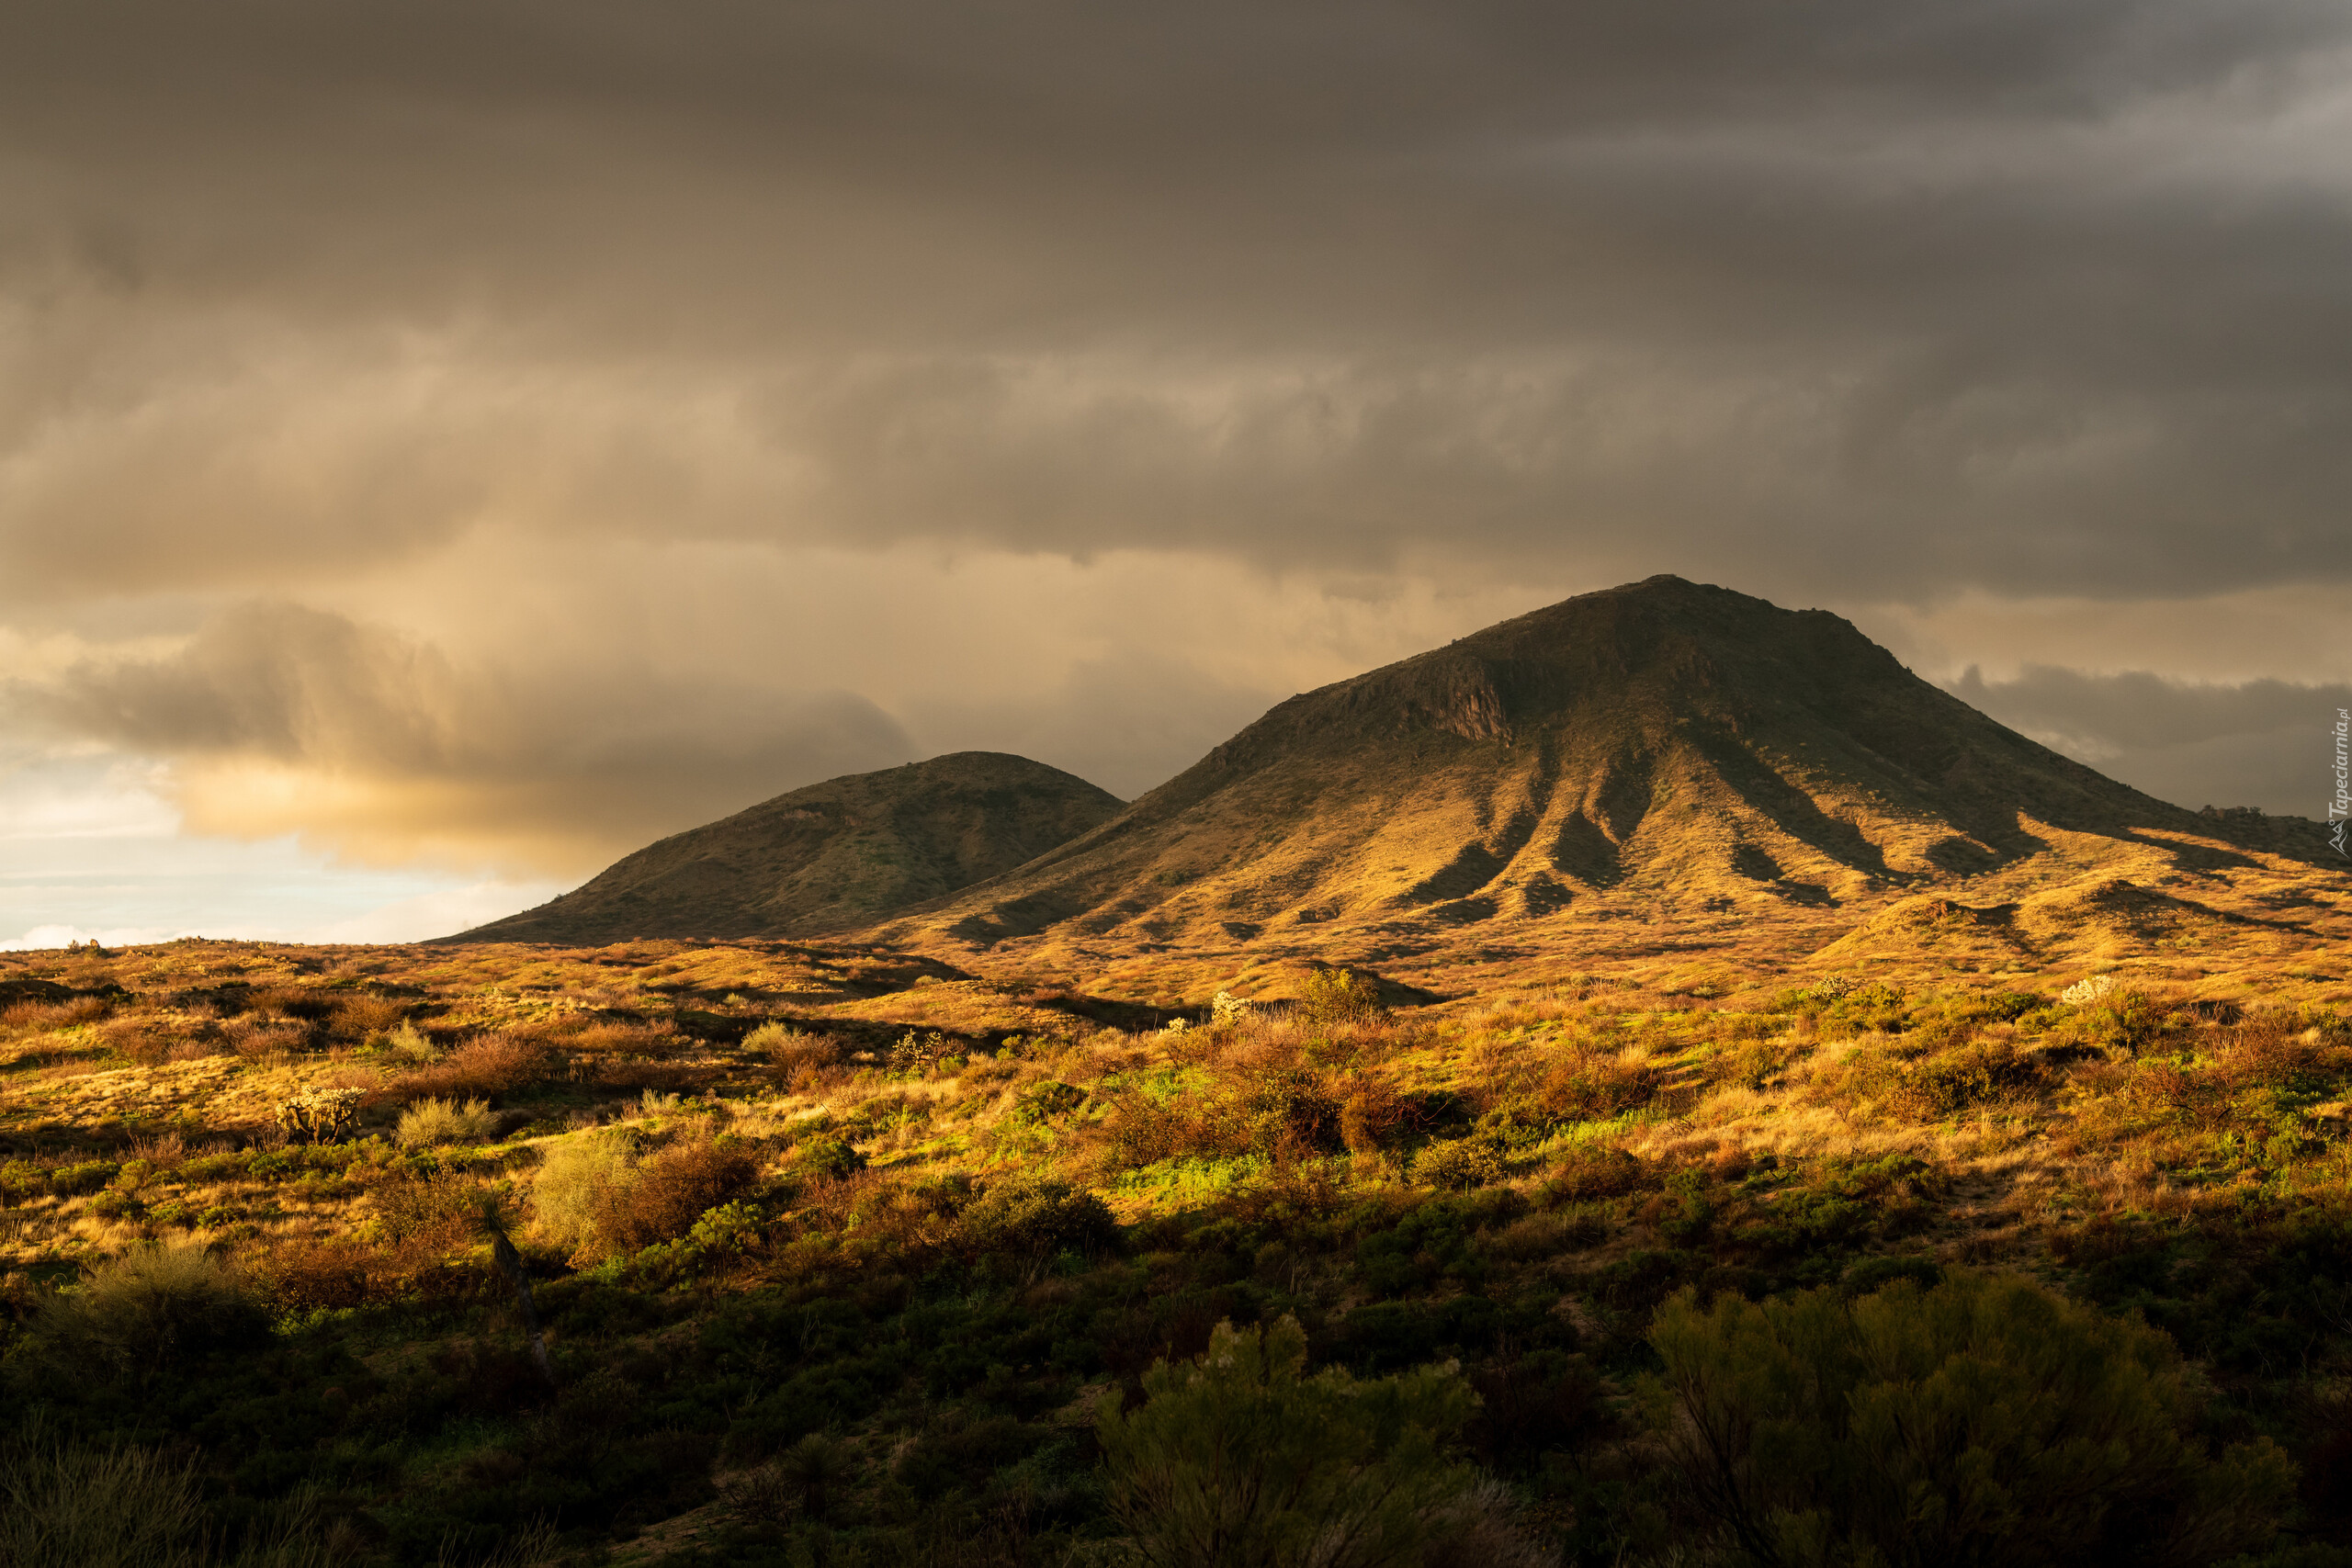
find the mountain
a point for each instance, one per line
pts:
(828, 858)
(1661, 749)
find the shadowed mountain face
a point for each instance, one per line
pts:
(836, 855)
(1662, 744)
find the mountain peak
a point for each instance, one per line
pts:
(1662, 742)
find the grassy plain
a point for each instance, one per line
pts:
(836, 1250)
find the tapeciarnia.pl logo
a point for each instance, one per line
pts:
(2340, 808)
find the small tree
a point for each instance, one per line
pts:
(1987, 1421)
(1241, 1460)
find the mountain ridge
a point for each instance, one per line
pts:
(827, 858)
(1663, 739)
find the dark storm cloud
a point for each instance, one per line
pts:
(684, 365)
(2265, 743)
(1841, 297)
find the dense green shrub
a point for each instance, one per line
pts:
(135, 1315)
(827, 1158)
(1985, 1420)
(1455, 1165)
(1241, 1460)
(1043, 1100)
(1030, 1220)
(1595, 1170)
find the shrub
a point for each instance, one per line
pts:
(1953, 1080)
(1340, 997)
(1370, 1114)
(668, 1193)
(1590, 1087)
(1595, 1170)
(1457, 1164)
(1983, 1420)
(1241, 1460)
(412, 1044)
(1036, 1220)
(1042, 1101)
(569, 1193)
(791, 1050)
(364, 1016)
(486, 1067)
(1287, 1107)
(123, 1508)
(134, 1316)
(439, 1207)
(437, 1120)
(826, 1158)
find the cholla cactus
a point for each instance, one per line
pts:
(2089, 990)
(912, 1052)
(1176, 1026)
(1228, 1008)
(320, 1113)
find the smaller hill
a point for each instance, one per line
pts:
(828, 858)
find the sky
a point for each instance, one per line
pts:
(445, 446)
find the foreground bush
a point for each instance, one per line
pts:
(1240, 1461)
(125, 1507)
(132, 1317)
(446, 1122)
(1984, 1421)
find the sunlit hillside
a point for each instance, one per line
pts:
(842, 1254)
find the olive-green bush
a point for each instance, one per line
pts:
(1987, 1421)
(1242, 1460)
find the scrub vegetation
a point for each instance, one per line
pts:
(760, 1252)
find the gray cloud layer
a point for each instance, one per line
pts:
(1835, 302)
(2265, 743)
(1872, 300)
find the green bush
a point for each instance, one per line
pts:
(1455, 1165)
(1037, 1220)
(1043, 1100)
(131, 1318)
(826, 1158)
(1241, 1460)
(446, 1122)
(1984, 1421)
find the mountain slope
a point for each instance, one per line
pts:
(1663, 743)
(832, 856)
